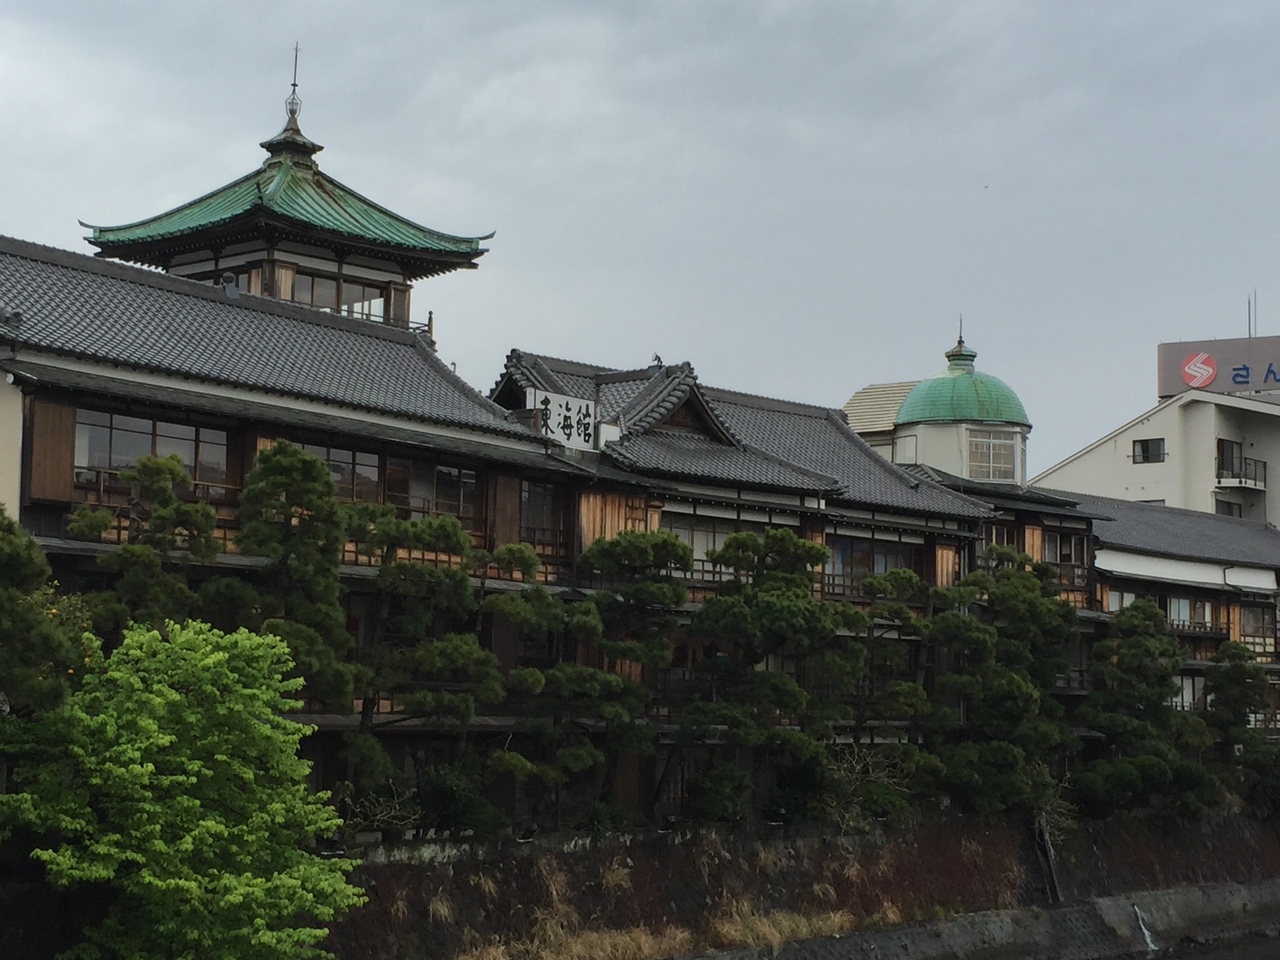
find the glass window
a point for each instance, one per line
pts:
(324, 293)
(1228, 508)
(1000, 535)
(420, 488)
(1119, 599)
(898, 556)
(108, 443)
(544, 518)
(1258, 621)
(1149, 451)
(362, 300)
(993, 455)
(1064, 548)
(850, 558)
(1191, 695)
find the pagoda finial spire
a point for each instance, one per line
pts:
(293, 106)
(291, 140)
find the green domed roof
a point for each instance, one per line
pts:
(962, 393)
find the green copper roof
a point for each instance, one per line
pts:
(291, 186)
(961, 393)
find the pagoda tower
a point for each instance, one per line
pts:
(288, 231)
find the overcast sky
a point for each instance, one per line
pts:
(800, 198)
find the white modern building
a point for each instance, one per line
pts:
(1205, 446)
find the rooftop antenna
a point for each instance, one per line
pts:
(293, 106)
(962, 328)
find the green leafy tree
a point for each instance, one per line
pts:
(164, 534)
(40, 647)
(995, 725)
(1246, 762)
(764, 631)
(289, 514)
(421, 652)
(581, 717)
(1151, 746)
(168, 789)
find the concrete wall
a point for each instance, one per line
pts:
(1108, 470)
(1135, 925)
(10, 447)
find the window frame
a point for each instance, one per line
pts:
(214, 487)
(988, 440)
(1146, 451)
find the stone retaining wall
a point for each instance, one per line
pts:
(1139, 924)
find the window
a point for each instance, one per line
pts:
(993, 455)
(355, 472)
(359, 298)
(362, 300)
(1191, 695)
(1258, 631)
(898, 556)
(1117, 600)
(1068, 552)
(420, 488)
(853, 559)
(1064, 547)
(1258, 621)
(1189, 612)
(1227, 508)
(1148, 451)
(1230, 458)
(107, 443)
(544, 518)
(705, 534)
(1000, 535)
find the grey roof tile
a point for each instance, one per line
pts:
(818, 438)
(104, 311)
(814, 442)
(693, 456)
(1173, 532)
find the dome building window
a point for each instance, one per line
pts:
(964, 422)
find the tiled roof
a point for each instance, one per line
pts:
(549, 374)
(874, 408)
(290, 185)
(113, 313)
(1007, 496)
(818, 439)
(690, 455)
(771, 440)
(1173, 532)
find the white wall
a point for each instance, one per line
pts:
(1108, 470)
(1168, 569)
(10, 446)
(940, 445)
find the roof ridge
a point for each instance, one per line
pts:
(571, 366)
(666, 389)
(815, 410)
(792, 465)
(156, 279)
(422, 347)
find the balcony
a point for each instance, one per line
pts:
(1242, 472)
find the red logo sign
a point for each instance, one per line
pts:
(1199, 370)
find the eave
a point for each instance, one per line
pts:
(263, 225)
